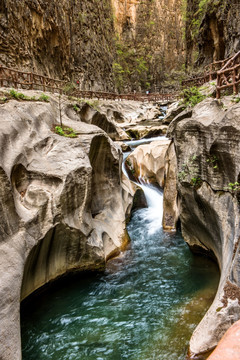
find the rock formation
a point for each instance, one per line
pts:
(170, 198)
(208, 157)
(61, 39)
(102, 44)
(62, 205)
(147, 161)
(228, 347)
(212, 30)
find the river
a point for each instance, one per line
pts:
(145, 306)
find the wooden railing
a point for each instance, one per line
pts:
(131, 96)
(229, 75)
(28, 80)
(210, 73)
(31, 81)
(195, 81)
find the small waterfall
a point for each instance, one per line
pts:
(152, 215)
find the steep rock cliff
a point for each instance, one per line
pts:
(208, 154)
(102, 44)
(62, 39)
(212, 30)
(151, 31)
(62, 206)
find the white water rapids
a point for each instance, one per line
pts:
(152, 215)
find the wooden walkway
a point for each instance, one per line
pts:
(31, 81)
(228, 77)
(227, 73)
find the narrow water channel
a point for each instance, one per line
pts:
(144, 307)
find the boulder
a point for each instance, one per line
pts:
(228, 347)
(147, 161)
(173, 110)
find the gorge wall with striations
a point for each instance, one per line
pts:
(95, 42)
(212, 30)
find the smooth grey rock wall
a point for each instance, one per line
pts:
(62, 205)
(207, 148)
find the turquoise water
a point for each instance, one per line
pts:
(145, 306)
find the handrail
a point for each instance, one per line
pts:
(229, 75)
(12, 77)
(210, 73)
(231, 59)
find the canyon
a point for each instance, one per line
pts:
(64, 201)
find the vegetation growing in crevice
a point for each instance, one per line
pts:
(190, 172)
(14, 94)
(192, 96)
(194, 13)
(234, 188)
(212, 160)
(65, 131)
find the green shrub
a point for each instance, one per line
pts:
(65, 131)
(212, 160)
(192, 96)
(69, 88)
(20, 96)
(43, 97)
(16, 95)
(189, 172)
(233, 187)
(76, 107)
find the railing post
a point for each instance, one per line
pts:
(31, 81)
(43, 82)
(218, 92)
(210, 75)
(1, 75)
(235, 87)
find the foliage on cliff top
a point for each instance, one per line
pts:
(193, 15)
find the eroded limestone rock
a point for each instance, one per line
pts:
(147, 161)
(208, 156)
(170, 203)
(62, 205)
